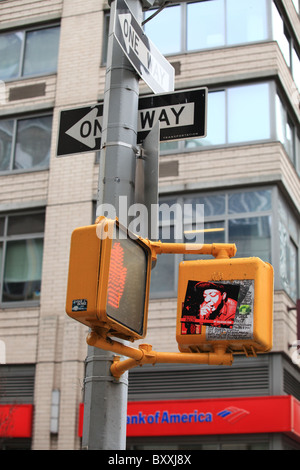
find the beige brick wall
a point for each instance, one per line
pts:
(45, 335)
(38, 102)
(24, 187)
(25, 11)
(69, 206)
(19, 329)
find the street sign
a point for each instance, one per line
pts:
(182, 115)
(80, 130)
(149, 63)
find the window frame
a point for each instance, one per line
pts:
(275, 93)
(285, 217)
(290, 38)
(289, 120)
(296, 4)
(15, 119)
(184, 30)
(4, 239)
(183, 33)
(25, 31)
(182, 148)
(219, 218)
(183, 39)
(277, 201)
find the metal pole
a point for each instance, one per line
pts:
(105, 399)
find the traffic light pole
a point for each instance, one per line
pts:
(105, 399)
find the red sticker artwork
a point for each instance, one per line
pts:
(209, 304)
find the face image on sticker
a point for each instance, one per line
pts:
(209, 304)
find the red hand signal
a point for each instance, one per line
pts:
(117, 276)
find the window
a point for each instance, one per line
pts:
(286, 43)
(157, 27)
(28, 52)
(286, 131)
(288, 232)
(21, 253)
(252, 236)
(234, 115)
(248, 114)
(205, 24)
(297, 5)
(220, 23)
(240, 217)
(246, 21)
(296, 67)
(216, 120)
(244, 114)
(255, 220)
(297, 147)
(25, 143)
(208, 24)
(280, 33)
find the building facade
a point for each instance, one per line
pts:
(245, 172)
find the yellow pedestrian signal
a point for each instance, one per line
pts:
(227, 302)
(109, 280)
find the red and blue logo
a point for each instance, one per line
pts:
(233, 414)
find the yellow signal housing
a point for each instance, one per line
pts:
(109, 280)
(226, 302)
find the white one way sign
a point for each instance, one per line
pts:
(80, 130)
(182, 115)
(88, 129)
(169, 116)
(150, 64)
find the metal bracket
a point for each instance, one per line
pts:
(122, 144)
(99, 358)
(106, 378)
(141, 152)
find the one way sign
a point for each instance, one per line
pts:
(182, 115)
(150, 64)
(80, 130)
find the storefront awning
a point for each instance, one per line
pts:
(245, 415)
(16, 420)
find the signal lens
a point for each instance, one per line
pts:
(127, 281)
